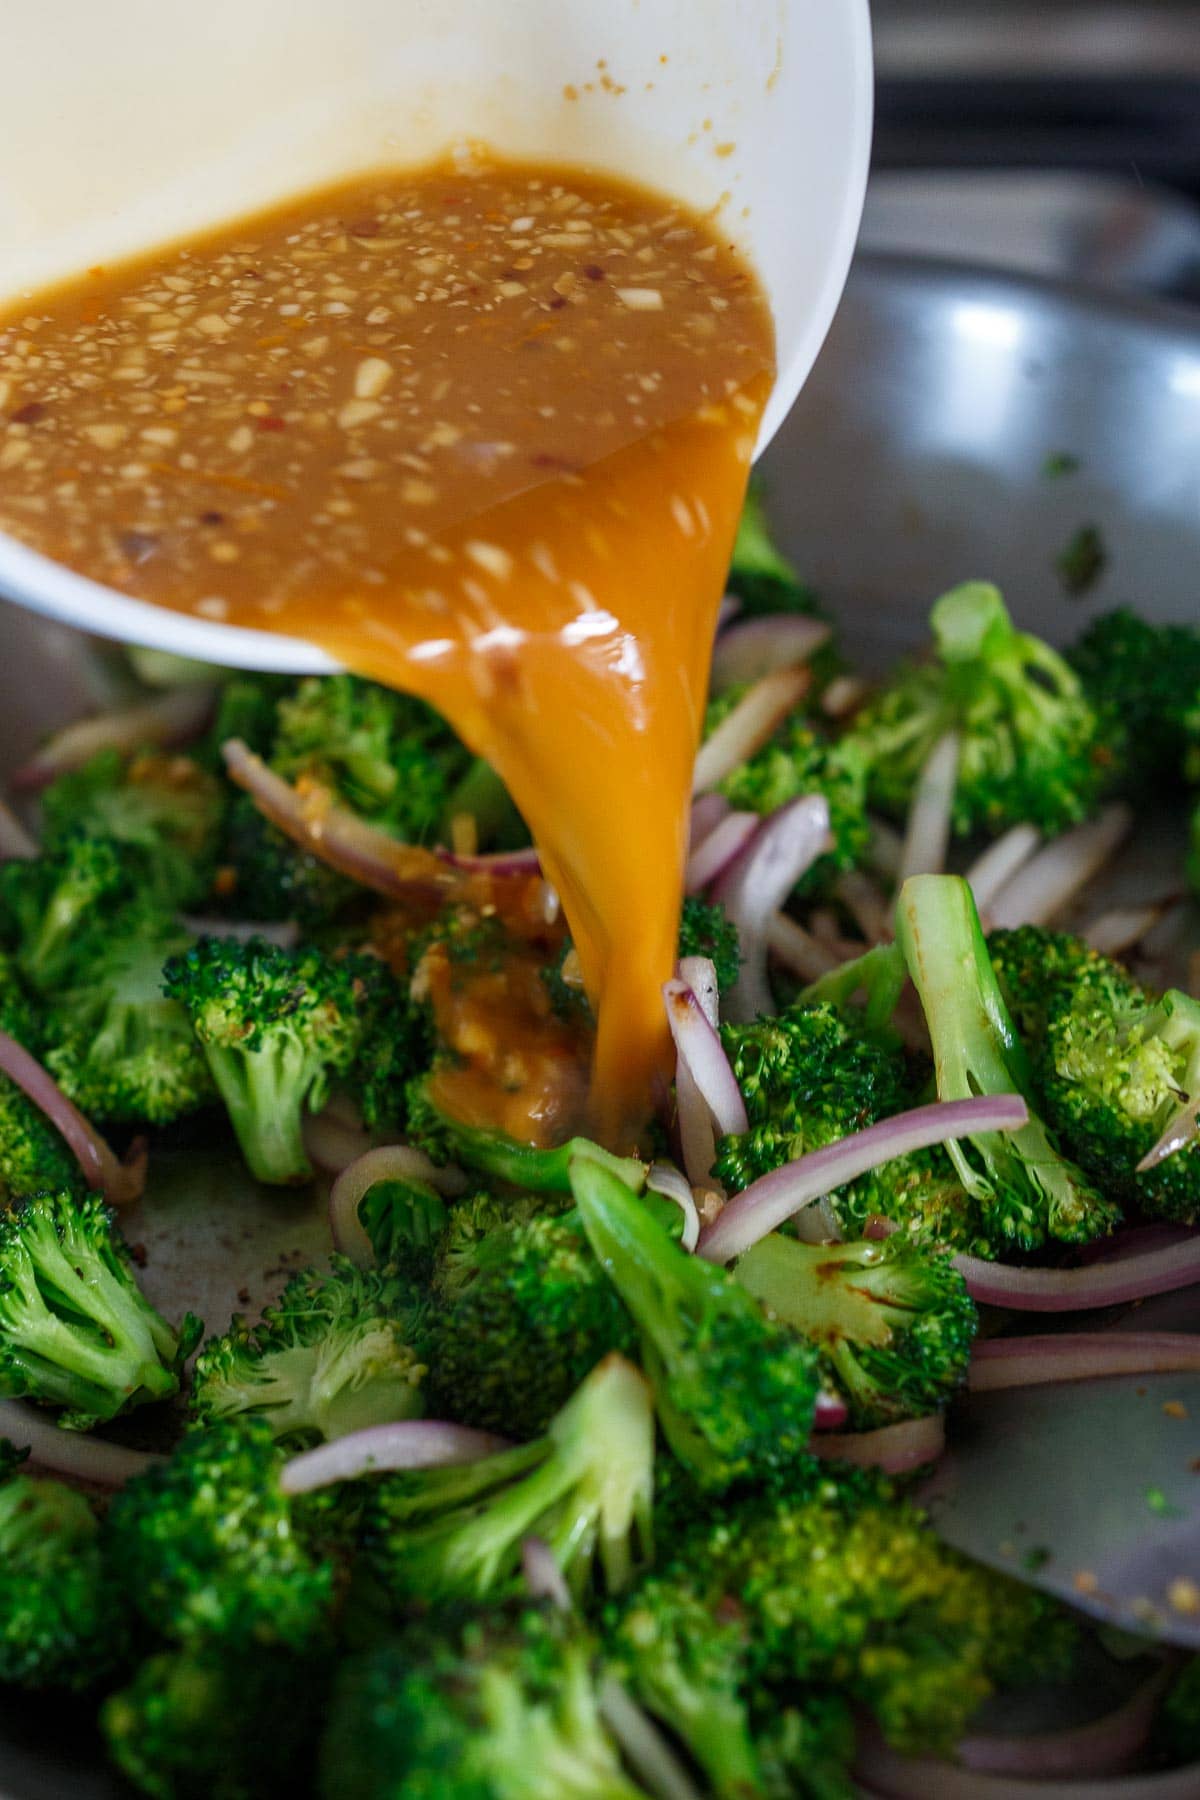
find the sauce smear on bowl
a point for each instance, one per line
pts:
(482, 432)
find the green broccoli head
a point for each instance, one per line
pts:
(55, 911)
(808, 1077)
(208, 1545)
(759, 574)
(586, 1487)
(894, 1323)
(63, 1619)
(532, 1311)
(1027, 1190)
(1030, 748)
(333, 1355)
(806, 1750)
(923, 1195)
(265, 877)
(502, 1705)
(33, 1157)
(277, 1028)
(735, 1392)
(1032, 964)
(119, 1048)
(166, 810)
(797, 761)
(1117, 1068)
(76, 1330)
(216, 1721)
(1143, 681)
(705, 931)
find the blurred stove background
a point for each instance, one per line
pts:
(1061, 137)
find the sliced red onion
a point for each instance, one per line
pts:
(831, 1412)
(666, 1179)
(757, 647)
(755, 718)
(896, 1449)
(707, 812)
(170, 718)
(1105, 1746)
(119, 1182)
(1080, 1356)
(767, 1203)
(408, 1444)
(844, 695)
(336, 836)
(756, 884)
(883, 1772)
(1131, 1240)
(500, 863)
(728, 611)
(797, 949)
(542, 1575)
(700, 974)
(16, 843)
(332, 1144)
(1113, 1283)
(1000, 862)
(1122, 928)
(1056, 874)
(710, 858)
(1179, 1134)
(70, 1453)
(284, 932)
(387, 1162)
(643, 1746)
(869, 909)
(885, 849)
(927, 837)
(699, 1047)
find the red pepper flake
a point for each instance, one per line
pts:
(271, 423)
(212, 518)
(364, 228)
(29, 414)
(557, 303)
(594, 272)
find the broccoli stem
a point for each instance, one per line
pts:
(879, 974)
(536, 1171)
(265, 1092)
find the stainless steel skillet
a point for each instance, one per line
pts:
(916, 457)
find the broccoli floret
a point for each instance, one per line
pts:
(923, 1195)
(218, 1722)
(1142, 680)
(333, 1355)
(264, 876)
(166, 810)
(63, 1621)
(76, 1330)
(472, 1223)
(808, 1077)
(501, 1158)
(585, 1487)
(55, 910)
(1178, 1728)
(388, 756)
(735, 1392)
(120, 1048)
(1032, 964)
(705, 931)
(851, 1586)
(496, 1706)
(405, 1221)
(33, 1157)
(533, 1311)
(1029, 739)
(208, 1545)
(806, 1752)
(798, 761)
(1117, 1068)
(1027, 1190)
(688, 1666)
(894, 1323)
(761, 577)
(277, 1027)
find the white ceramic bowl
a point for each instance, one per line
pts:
(134, 123)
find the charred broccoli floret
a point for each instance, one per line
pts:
(76, 1330)
(63, 1620)
(585, 1487)
(1027, 1190)
(503, 1705)
(532, 1311)
(165, 810)
(735, 1392)
(333, 1355)
(1119, 1071)
(1029, 740)
(894, 1323)
(208, 1546)
(278, 1027)
(218, 1722)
